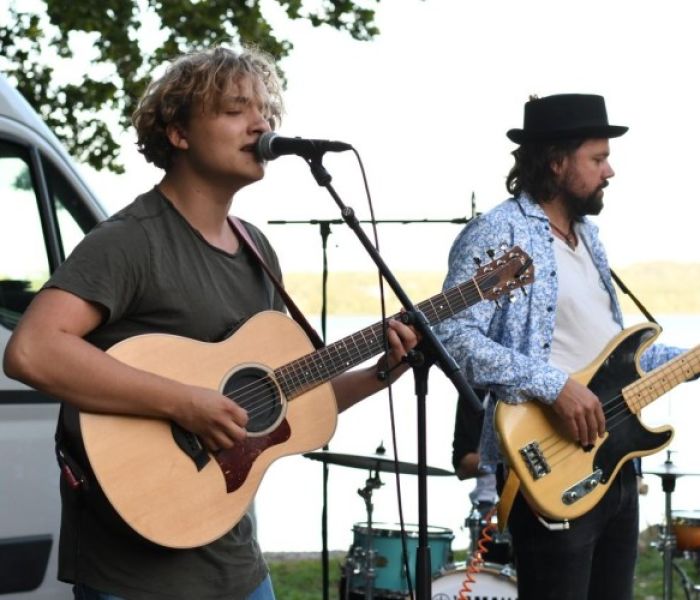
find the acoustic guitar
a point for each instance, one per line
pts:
(160, 479)
(560, 478)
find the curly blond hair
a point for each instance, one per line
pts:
(200, 78)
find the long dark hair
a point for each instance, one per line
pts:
(532, 172)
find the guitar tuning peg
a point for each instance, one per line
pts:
(512, 297)
(503, 247)
(477, 261)
(491, 253)
(524, 291)
(498, 304)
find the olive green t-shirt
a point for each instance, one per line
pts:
(151, 271)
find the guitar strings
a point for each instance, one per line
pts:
(560, 444)
(255, 396)
(615, 417)
(611, 415)
(617, 414)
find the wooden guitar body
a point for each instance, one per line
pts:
(137, 461)
(561, 479)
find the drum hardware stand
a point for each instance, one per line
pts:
(667, 540)
(373, 483)
(476, 522)
(361, 561)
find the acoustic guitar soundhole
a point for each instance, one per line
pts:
(253, 389)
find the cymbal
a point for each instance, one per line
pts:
(668, 470)
(374, 462)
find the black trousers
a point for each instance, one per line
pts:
(593, 560)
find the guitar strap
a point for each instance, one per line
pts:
(512, 484)
(242, 233)
(626, 290)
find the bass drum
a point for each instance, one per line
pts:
(492, 581)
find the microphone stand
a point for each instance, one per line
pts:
(325, 230)
(431, 345)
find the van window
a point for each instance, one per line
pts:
(24, 264)
(73, 217)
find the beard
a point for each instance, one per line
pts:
(581, 206)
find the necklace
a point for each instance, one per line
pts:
(569, 238)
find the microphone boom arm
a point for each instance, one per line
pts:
(419, 321)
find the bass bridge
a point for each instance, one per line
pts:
(534, 460)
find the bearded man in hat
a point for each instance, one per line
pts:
(526, 350)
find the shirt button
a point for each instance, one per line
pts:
(553, 273)
(551, 240)
(545, 345)
(550, 308)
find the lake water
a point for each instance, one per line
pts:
(290, 499)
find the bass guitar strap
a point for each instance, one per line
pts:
(627, 291)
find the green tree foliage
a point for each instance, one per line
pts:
(36, 36)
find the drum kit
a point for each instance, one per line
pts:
(380, 563)
(679, 535)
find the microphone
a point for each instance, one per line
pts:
(270, 146)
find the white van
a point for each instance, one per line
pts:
(45, 209)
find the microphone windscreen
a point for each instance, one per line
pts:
(263, 147)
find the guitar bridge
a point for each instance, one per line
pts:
(582, 488)
(535, 460)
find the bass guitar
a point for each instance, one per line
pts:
(562, 479)
(160, 479)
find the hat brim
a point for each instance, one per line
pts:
(520, 136)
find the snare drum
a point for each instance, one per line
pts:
(685, 525)
(390, 575)
(492, 581)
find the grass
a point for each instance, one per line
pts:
(301, 579)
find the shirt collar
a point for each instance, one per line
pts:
(529, 207)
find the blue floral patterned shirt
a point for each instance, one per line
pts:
(506, 350)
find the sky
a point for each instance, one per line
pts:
(427, 105)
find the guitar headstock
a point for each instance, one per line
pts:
(505, 274)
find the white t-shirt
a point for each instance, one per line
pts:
(584, 321)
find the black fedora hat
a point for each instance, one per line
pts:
(565, 116)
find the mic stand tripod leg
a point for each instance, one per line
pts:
(421, 362)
